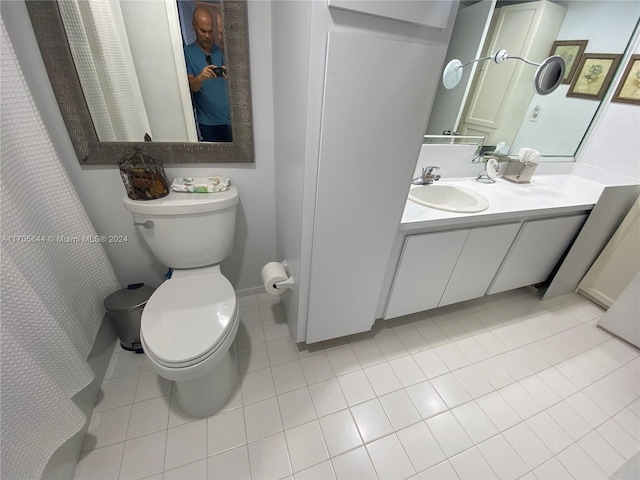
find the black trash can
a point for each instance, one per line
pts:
(125, 310)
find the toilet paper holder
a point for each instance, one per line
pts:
(288, 283)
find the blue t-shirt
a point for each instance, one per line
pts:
(212, 100)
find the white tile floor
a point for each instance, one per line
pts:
(503, 387)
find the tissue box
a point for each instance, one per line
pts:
(519, 172)
(200, 184)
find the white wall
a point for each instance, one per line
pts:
(290, 44)
(100, 187)
(607, 26)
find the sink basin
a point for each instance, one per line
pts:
(449, 198)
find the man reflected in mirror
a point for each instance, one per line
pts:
(207, 74)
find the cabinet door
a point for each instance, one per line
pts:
(617, 264)
(364, 171)
(429, 14)
(536, 251)
(621, 318)
(491, 93)
(425, 266)
(479, 261)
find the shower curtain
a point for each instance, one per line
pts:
(53, 280)
(100, 50)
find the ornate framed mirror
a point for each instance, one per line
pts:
(54, 47)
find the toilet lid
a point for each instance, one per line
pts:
(187, 317)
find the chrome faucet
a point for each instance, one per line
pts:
(427, 177)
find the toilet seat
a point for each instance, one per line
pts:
(187, 319)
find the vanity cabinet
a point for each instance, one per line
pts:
(538, 248)
(442, 268)
(437, 269)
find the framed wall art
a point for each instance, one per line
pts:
(593, 75)
(628, 90)
(571, 51)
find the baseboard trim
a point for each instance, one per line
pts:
(249, 291)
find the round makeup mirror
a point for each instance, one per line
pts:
(549, 75)
(547, 78)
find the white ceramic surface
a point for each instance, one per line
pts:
(177, 203)
(545, 194)
(190, 322)
(188, 317)
(450, 198)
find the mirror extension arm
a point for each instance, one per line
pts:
(547, 78)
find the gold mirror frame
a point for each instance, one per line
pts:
(52, 40)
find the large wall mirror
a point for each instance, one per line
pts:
(499, 102)
(150, 97)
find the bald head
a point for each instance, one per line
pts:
(201, 14)
(203, 28)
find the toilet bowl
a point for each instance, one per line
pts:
(188, 332)
(189, 324)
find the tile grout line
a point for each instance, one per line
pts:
(580, 323)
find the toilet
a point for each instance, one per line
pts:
(189, 325)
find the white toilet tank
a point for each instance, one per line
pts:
(188, 230)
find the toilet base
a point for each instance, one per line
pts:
(205, 395)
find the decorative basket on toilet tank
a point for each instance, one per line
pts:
(143, 176)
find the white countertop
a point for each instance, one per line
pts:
(546, 194)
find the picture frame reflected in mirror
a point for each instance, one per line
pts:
(594, 74)
(628, 90)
